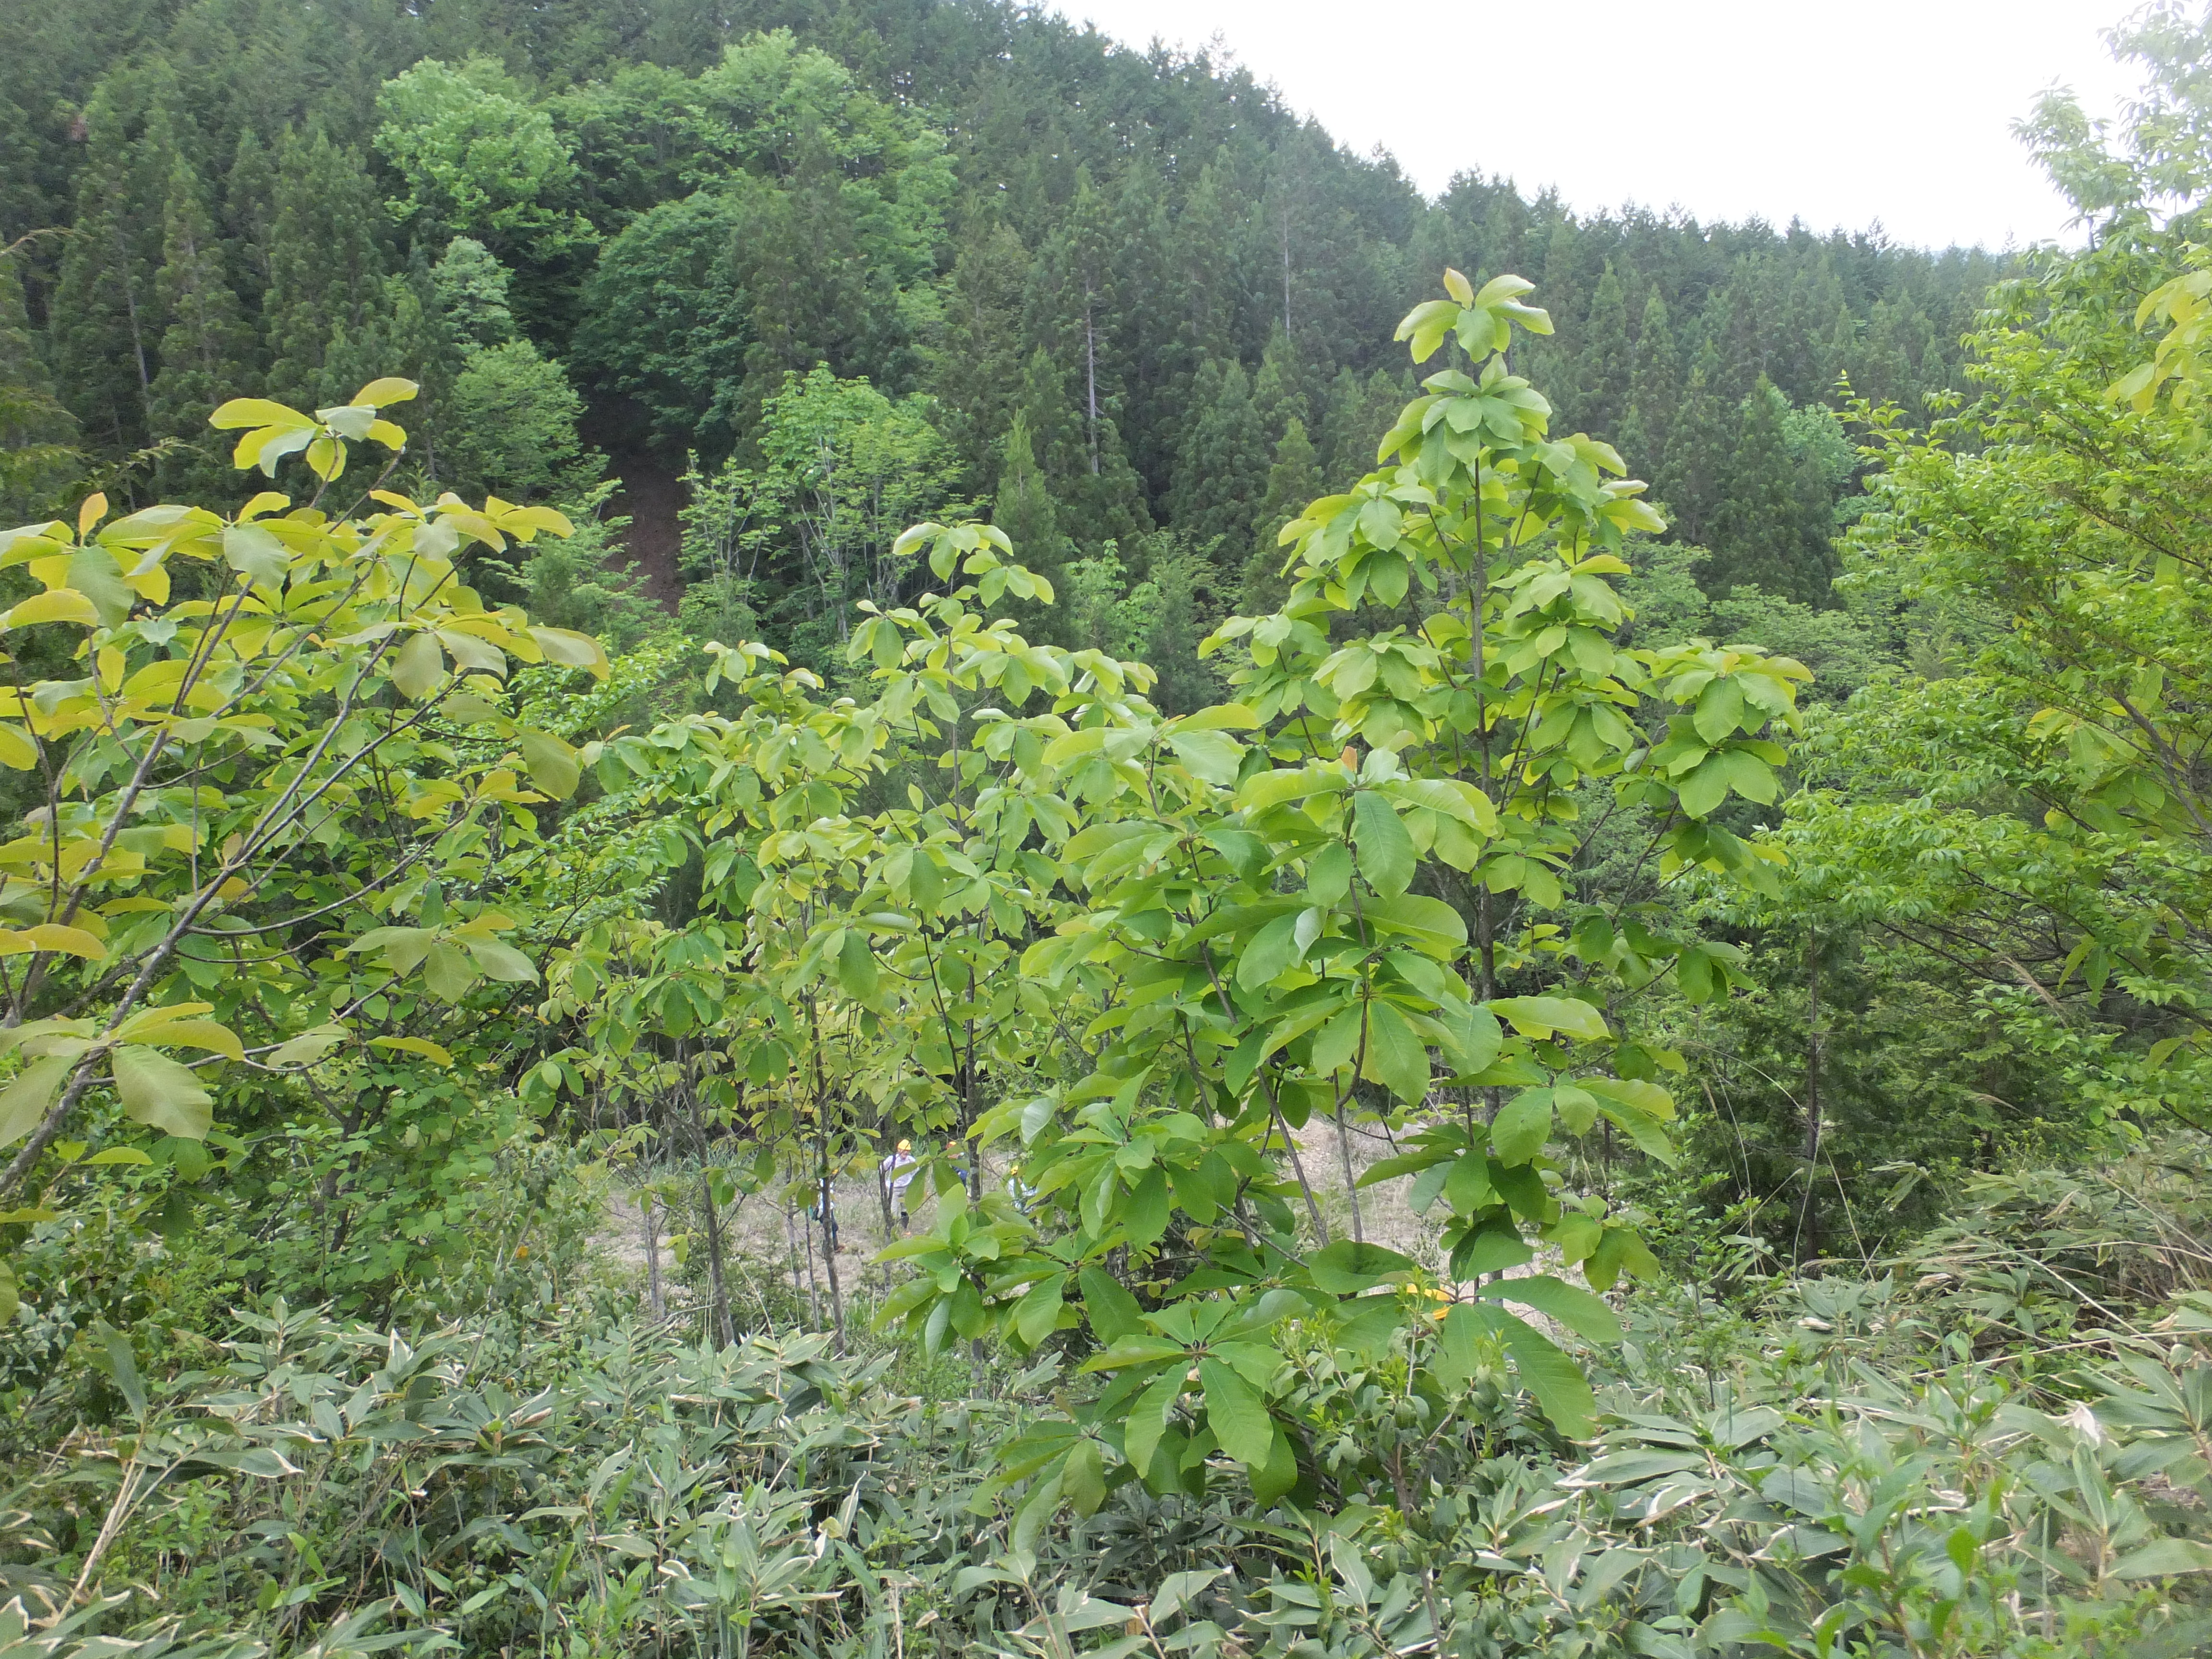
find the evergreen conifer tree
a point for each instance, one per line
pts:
(1604, 360)
(416, 334)
(1293, 480)
(1087, 301)
(1207, 276)
(37, 435)
(1025, 508)
(1689, 488)
(206, 343)
(1361, 409)
(1880, 369)
(977, 361)
(325, 270)
(103, 322)
(249, 216)
(473, 294)
(1655, 393)
(1221, 472)
(1758, 535)
(1183, 594)
(1108, 505)
(1277, 390)
(1056, 432)
(1151, 357)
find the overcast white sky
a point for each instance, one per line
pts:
(1898, 111)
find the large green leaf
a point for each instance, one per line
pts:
(553, 764)
(1146, 1215)
(1113, 1311)
(1037, 1315)
(499, 962)
(1236, 1414)
(1706, 787)
(1396, 1058)
(1084, 1479)
(446, 973)
(1650, 1140)
(28, 1096)
(1720, 707)
(92, 571)
(1338, 1041)
(1386, 850)
(1272, 1478)
(1430, 924)
(1350, 1266)
(1490, 1249)
(1749, 776)
(1468, 1187)
(2166, 1558)
(1539, 1017)
(1209, 755)
(1272, 949)
(1585, 1314)
(856, 965)
(418, 668)
(256, 554)
(1560, 1388)
(161, 1093)
(1148, 1419)
(1523, 1126)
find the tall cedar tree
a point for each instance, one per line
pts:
(325, 267)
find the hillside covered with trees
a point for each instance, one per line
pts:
(856, 829)
(1117, 297)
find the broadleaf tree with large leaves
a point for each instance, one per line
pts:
(272, 782)
(1341, 897)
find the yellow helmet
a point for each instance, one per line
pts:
(906, 1146)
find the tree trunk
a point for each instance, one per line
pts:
(791, 1241)
(653, 1291)
(138, 341)
(1351, 1184)
(716, 1286)
(813, 1284)
(830, 1256)
(721, 1297)
(1809, 1217)
(1090, 378)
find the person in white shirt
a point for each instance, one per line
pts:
(898, 1172)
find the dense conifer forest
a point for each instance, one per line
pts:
(855, 829)
(1121, 297)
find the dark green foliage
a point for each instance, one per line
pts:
(511, 418)
(1150, 257)
(472, 290)
(103, 319)
(326, 268)
(1777, 508)
(205, 349)
(36, 456)
(1025, 508)
(1221, 471)
(1293, 480)
(666, 324)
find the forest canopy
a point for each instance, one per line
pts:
(601, 250)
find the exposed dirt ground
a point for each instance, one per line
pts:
(651, 496)
(760, 1239)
